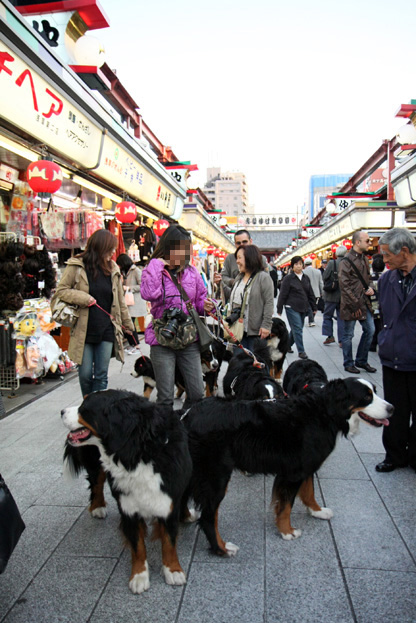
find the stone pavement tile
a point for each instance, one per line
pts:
(50, 460)
(365, 535)
(407, 528)
(45, 527)
(343, 463)
(63, 492)
(65, 590)
(224, 593)
(10, 434)
(304, 583)
(28, 487)
(397, 488)
(382, 596)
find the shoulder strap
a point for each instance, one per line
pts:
(335, 268)
(246, 293)
(181, 290)
(359, 275)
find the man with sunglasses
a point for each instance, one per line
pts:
(354, 283)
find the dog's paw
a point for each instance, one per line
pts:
(295, 534)
(99, 512)
(193, 515)
(140, 582)
(324, 513)
(173, 578)
(231, 549)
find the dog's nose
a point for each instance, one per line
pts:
(390, 410)
(63, 412)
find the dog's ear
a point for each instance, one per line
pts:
(337, 400)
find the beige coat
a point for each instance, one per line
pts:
(78, 294)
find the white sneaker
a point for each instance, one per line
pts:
(312, 324)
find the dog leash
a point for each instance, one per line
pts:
(136, 343)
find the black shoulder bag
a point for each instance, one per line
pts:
(205, 336)
(332, 284)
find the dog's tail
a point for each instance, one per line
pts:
(72, 463)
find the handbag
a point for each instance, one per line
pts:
(129, 298)
(320, 304)
(65, 314)
(332, 284)
(184, 335)
(237, 327)
(11, 524)
(204, 334)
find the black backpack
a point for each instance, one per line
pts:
(331, 284)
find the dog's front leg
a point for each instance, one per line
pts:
(134, 531)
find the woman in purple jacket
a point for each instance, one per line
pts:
(172, 255)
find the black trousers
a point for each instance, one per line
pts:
(399, 438)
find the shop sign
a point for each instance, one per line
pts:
(8, 173)
(267, 221)
(28, 101)
(118, 166)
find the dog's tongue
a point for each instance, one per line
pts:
(78, 435)
(385, 422)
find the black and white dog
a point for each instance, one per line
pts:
(278, 343)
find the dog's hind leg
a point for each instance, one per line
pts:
(147, 391)
(283, 497)
(167, 532)
(134, 531)
(209, 522)
(307, 495)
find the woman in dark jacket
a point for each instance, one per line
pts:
(295, 296)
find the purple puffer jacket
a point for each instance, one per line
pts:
(158, 288)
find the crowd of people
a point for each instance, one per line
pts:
(380, 297)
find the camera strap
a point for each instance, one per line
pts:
(181, 290)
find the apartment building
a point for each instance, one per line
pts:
(227, 191)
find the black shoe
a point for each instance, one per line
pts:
(386, 466)
(290, 350)
(366, 367)
(303, 356)
(352, 370)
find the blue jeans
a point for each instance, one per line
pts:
(93, 372)
(327, 323)
(188, 360)
(296, 321)
(367, 324)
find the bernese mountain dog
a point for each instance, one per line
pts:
(246, 380)
(142, 450)
(301, 374)
(288, 438)
(278, 343)
(211, 360)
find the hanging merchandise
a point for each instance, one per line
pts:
(145, 239)
(66, 229)
(11, 279)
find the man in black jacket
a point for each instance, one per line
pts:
(295, 296)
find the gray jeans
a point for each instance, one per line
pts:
(188, 360)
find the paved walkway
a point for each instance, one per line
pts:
(358, 568)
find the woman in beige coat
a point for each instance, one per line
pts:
(92, 279)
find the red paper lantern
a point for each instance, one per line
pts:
(217, 253)
(334, 247)
(160, 226)
(312, 256)
(44, 176)
(126, 212)
(210, 249)
(347, 244)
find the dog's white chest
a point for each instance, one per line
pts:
(275, 353)
(140, 490)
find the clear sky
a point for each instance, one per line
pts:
(278, 90)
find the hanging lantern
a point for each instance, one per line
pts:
(44, 176)
(126, 212)
(160, 226)
(210, 249)
(334, 247)
(217, 253)
(312, 256)
(347, 244)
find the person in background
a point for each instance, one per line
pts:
(91, 279)
(397, 346)
(295, 296)
(332, 302)
(274, 277)
(172, 256)
(132, 277)
(254, 281)
(355, 304)
(230, 268)
(377, 268)
(323, 266)
(315, 277)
